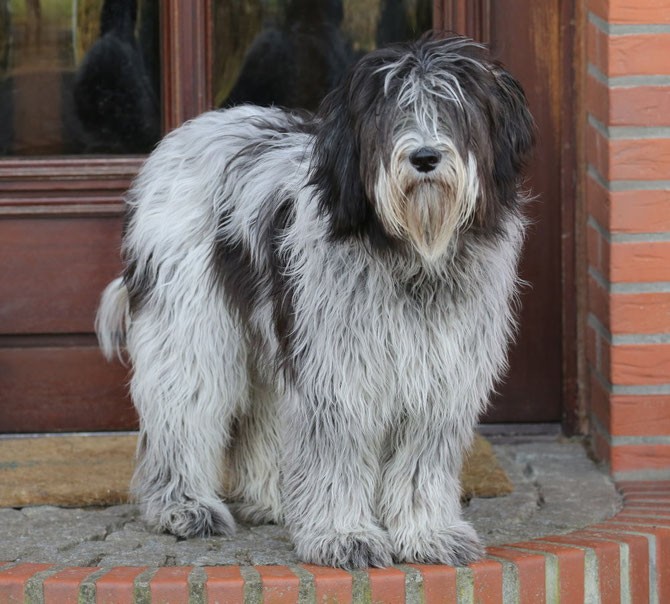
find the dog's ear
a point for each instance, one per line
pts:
(335, 167)
(512, 133)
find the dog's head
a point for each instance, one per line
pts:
(420, 142)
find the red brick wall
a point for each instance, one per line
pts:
(628, 233)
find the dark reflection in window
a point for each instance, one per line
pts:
(79, 76)
(292, 52)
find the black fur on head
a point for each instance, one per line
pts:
(345, 117)
(512, 136)
(478, 105)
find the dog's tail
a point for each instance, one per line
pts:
(112, 319)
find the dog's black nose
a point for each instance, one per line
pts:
(425, 159)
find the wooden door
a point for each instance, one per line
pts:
(534, 40)
(61, 216)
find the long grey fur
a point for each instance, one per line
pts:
(315, 325)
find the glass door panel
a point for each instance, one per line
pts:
(79, 76)
(292, 52)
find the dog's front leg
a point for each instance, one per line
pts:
(330, 472)
(420, 494)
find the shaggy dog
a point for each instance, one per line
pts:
(326, 302)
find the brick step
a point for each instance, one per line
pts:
(623, 559)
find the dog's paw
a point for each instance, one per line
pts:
(351, 550)
(194, 519)
(456, 545)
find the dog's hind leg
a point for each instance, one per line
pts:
(189, 381)
(254, 458)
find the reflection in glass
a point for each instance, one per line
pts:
(292, 52)
(78, 76)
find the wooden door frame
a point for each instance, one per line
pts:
(186, 41)
(473, 18)
(468, 17)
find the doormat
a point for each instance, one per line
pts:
(96, 470)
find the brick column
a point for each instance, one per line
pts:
(628, 234)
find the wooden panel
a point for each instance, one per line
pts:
(62, 389)
(526, 37)
(573, 240)
(469, 17)
(53, 271)
(185, 48)
(65, 180)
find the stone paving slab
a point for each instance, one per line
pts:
(557, 489)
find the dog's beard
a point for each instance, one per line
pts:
(428, 210)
